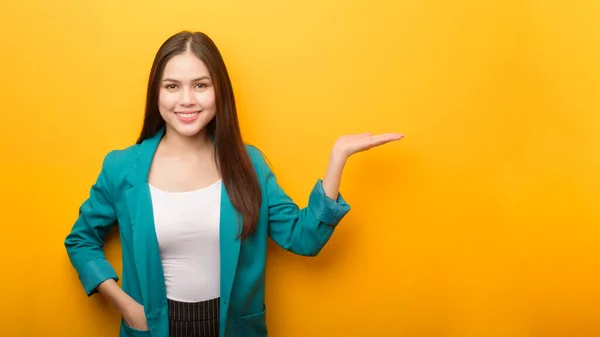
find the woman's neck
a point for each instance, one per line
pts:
(185, 146)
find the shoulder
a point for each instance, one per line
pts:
(254, 152)
(118, 160)
(258, 158)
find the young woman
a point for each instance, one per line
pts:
(195, 206)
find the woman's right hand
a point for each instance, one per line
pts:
(130, 309)
(134, 316)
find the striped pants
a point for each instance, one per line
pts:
(199, 319)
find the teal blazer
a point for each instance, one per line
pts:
(121, 196)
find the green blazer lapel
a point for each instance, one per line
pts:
(145, 243)
(230, 251)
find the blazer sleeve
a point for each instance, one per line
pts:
(303, 231)
(85, 242)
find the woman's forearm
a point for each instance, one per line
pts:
(113, 292)
(333, 175)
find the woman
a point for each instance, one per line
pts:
(195, 206)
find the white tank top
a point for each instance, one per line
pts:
(187, 228)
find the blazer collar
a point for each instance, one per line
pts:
(144, 153)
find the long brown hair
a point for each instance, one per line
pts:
(233, 162)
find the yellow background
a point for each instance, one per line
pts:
(483, 221)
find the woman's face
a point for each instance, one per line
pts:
(186, 98)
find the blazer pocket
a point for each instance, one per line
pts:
(131, 332)
(253, 325)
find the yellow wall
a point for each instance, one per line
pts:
(482, 222)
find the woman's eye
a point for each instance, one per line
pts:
(201, 85)
(170, 86)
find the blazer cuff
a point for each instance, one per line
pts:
(96, 272)
(325, 209)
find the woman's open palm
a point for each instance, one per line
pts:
(350, 144)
